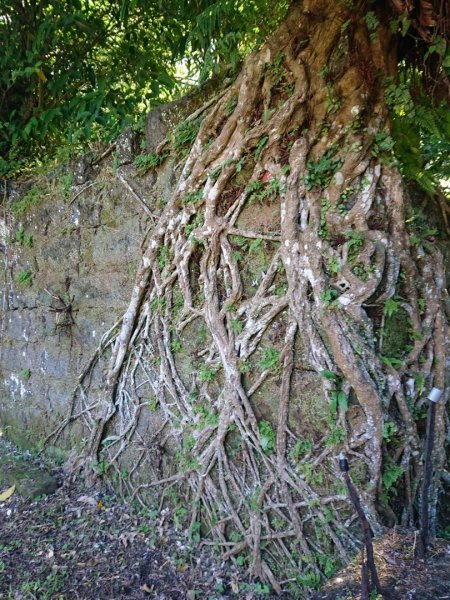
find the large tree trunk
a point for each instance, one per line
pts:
(302, 134)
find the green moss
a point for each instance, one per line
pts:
(396, 334)
(34, 196)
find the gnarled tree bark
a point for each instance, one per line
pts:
(303, 129)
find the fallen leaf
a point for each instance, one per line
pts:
(90, 563)
(88, 500)
(127, 537)
(7, 493)
(145, 588)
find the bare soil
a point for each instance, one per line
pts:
(401, 576)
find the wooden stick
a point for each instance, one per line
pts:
(367, 531)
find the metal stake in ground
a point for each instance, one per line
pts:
(367, 531)
(422, 543)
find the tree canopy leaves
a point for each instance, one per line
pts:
(73, 70)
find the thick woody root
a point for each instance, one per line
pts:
(340, 252)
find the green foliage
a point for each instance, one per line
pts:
(355, 241)
(391, 306)
(264, 192)
(34, 196)
(332, 103)
(390, 430)
(329, 297)
(176, 345)
(225, 30)
(420, 130)
(267, 437)
(144, 162)
(206, 373)
(391, 361)
(391, 474)
(260, 147)
(72, 72)
(206, 416)
(382, 146)
(236, 325)
(192, 197)
(300, 448)
(185, 134)
(336, 436)
(270, 359)
(338, 398)
(163, 256)
(25, 278)
(309, 579)
(65, 70)
(25, 374)
(196, 222)
(23, 238)
(321, 171)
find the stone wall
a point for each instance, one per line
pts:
(69, 255)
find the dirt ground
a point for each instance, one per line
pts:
(401, 576)
(86, 544)
(79, 543)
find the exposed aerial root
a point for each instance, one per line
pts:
(318, 278)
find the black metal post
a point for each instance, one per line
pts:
(422, 543)
(367, 531)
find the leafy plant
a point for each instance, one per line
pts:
(300, 448)
(309, 579)
(389, 431)
(22, 238)
(206, 373)
(163, 256)
(267, 437)
(391, 474)
(391, 361)
(31, 198)
(192, 197)
(338, 398)
(236, 325)
(371, 20)
(144, 162)
(336, 436)
(391, 306)
(329, 297)
(25, 374)
(270, 359)
(260, 147)
(355, 241)
(383, 146)
(322, 170)
(184, 135)
(196, 222)
(25, 278)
